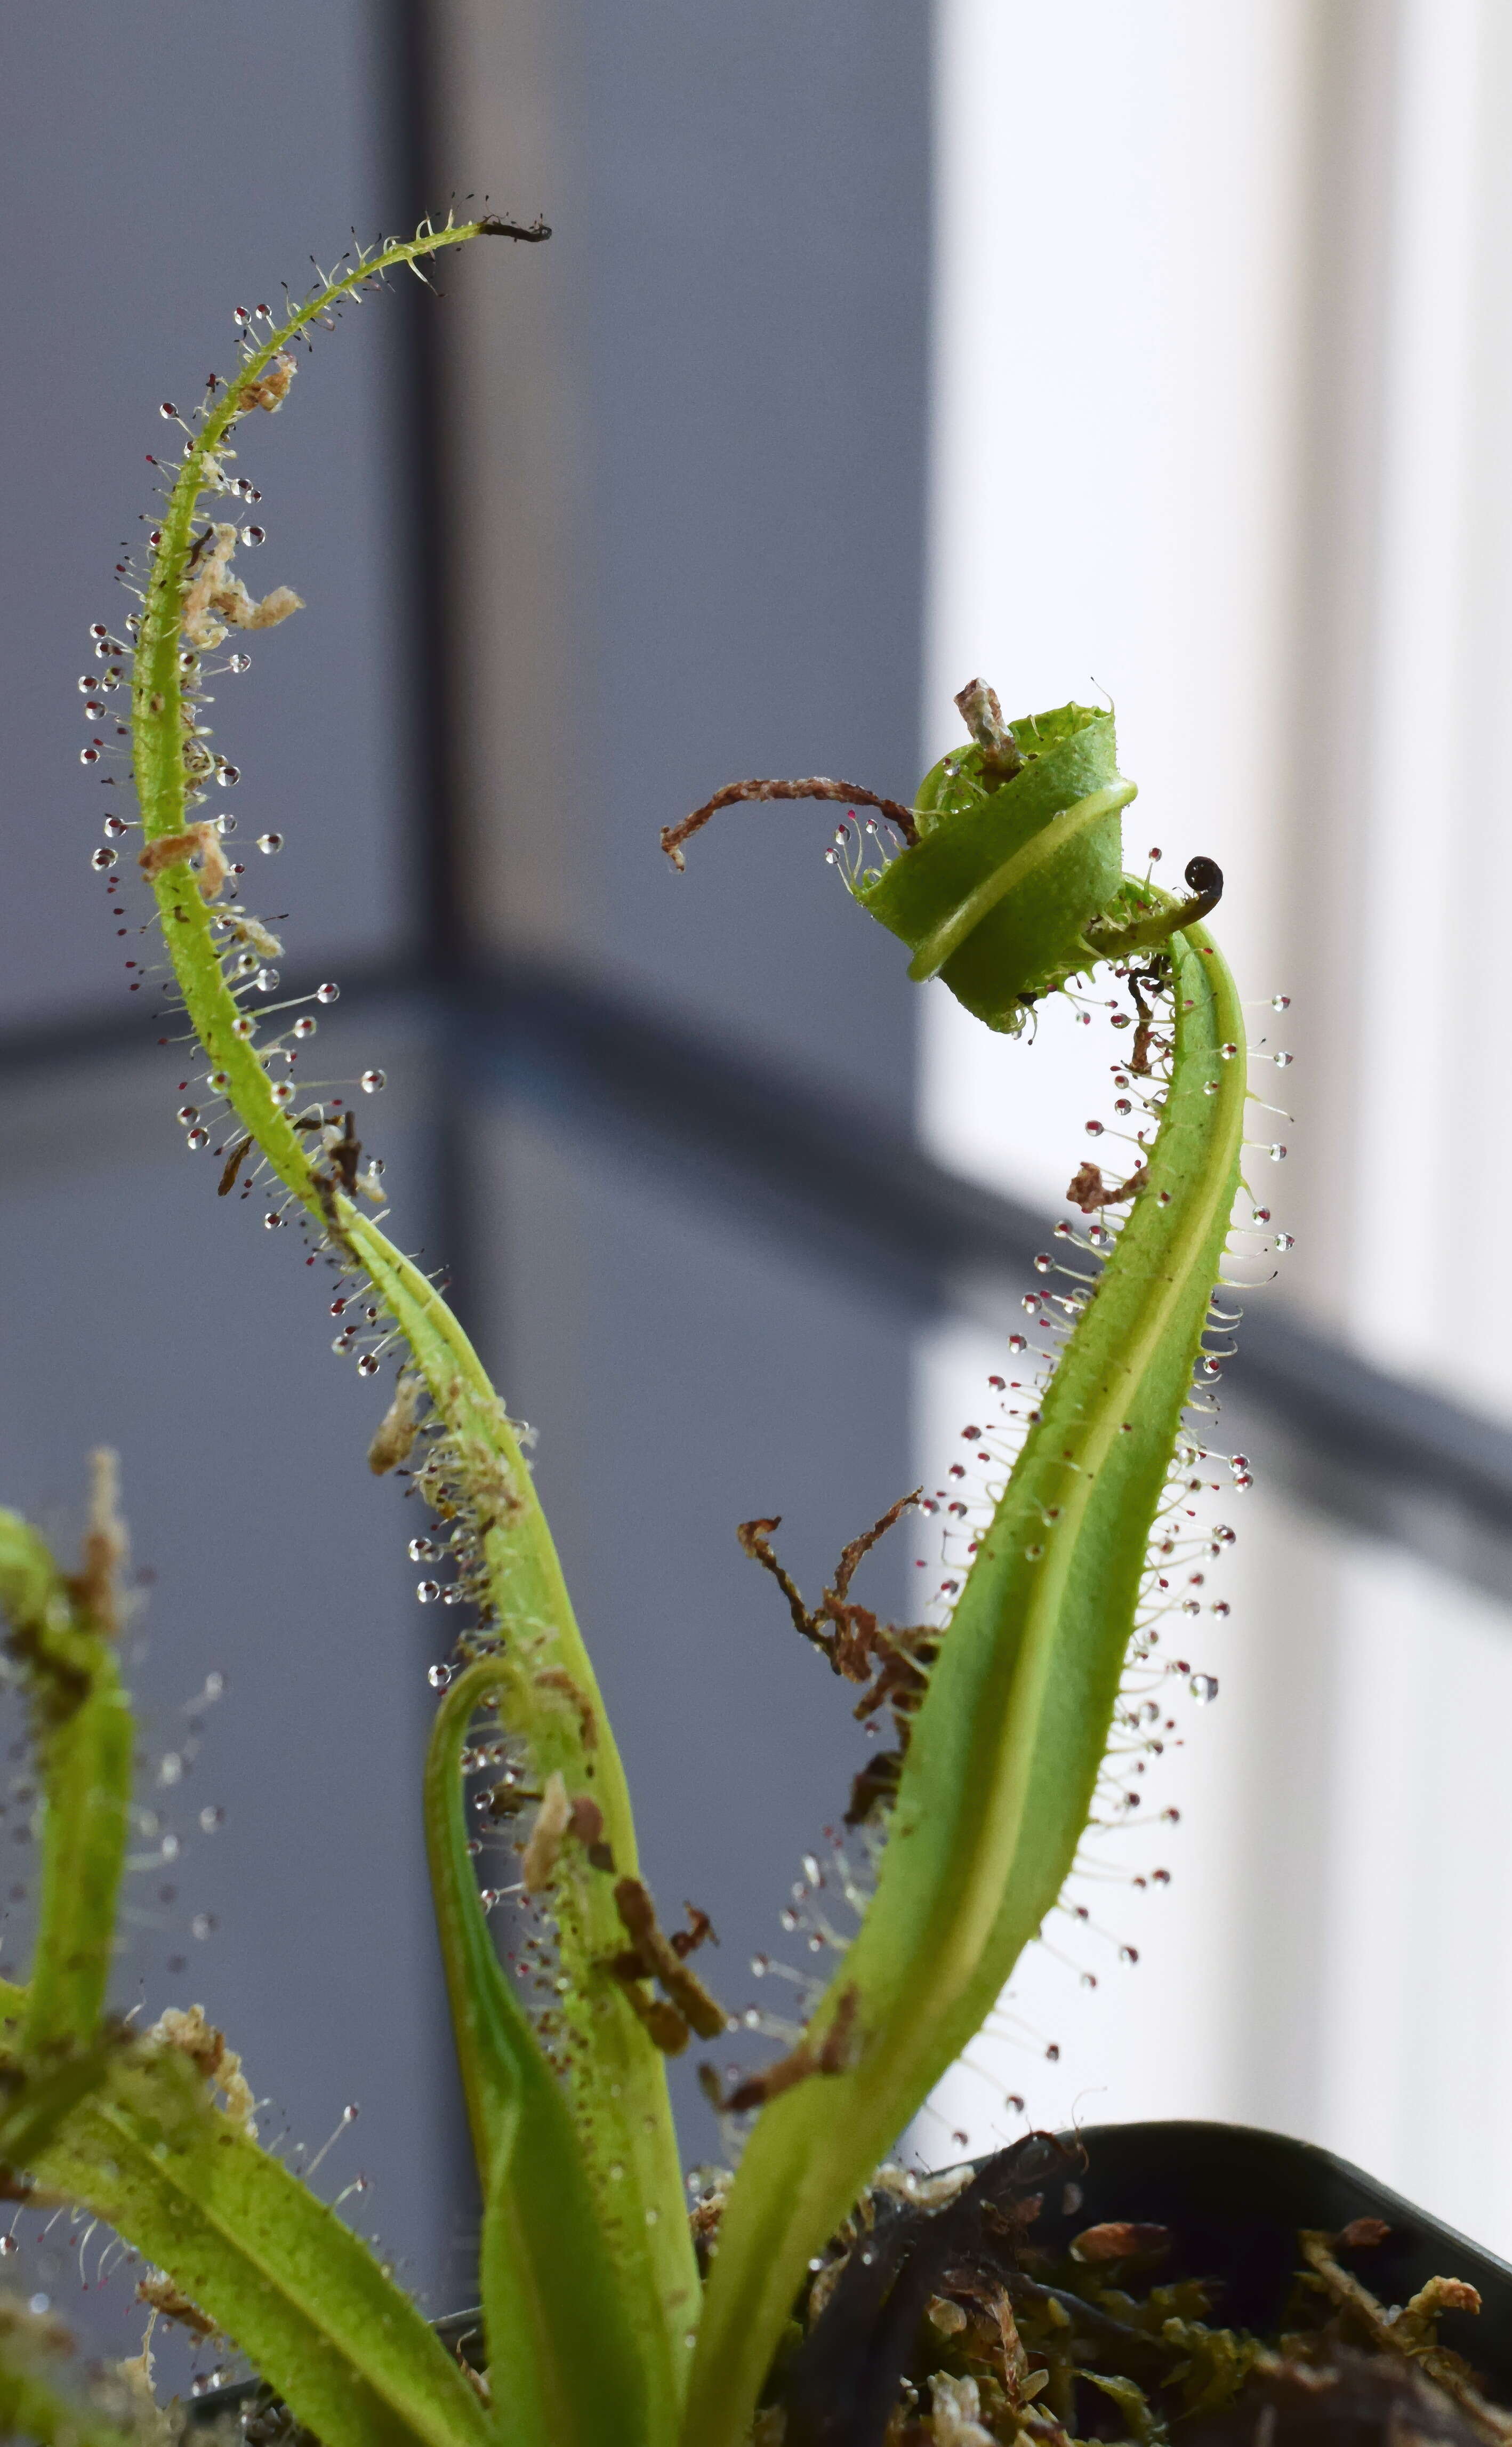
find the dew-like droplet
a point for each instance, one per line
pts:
(1283, 1061)
(113, 826)
(368, 1365)
(9, 2247)
(304, 1026)
(269, 843)
(327, 993)
(1285, 1241)
(239, 662)
(372, 1080)
(167, 408)
(1281, 1002)
(186, 1114)
(243, 1026)
(104, 859)
(266, 981)
(1276, 1153)
(219, 1081)
(198, 1139)
(1094, 1130)
(422, 1550)
(228, 776)
(271, 1222)
(88, 756)
(283, 1095)
(1227, 1052)
(203, 1925)
(253, 535)
(211, 1817)
(427, 1592)
(1042, 1263)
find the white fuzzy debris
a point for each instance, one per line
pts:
(953, 2419)
(196, 2038)
(926, 2192)
(214, 600)
(553, 1819)
(400, 1424)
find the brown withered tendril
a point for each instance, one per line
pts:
(817, 786)
(891, 1660)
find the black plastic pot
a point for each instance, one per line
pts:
(1234, 2199)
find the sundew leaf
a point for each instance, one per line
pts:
(551, 2265)
(1006, 1749)
(476, 1471)
(62, 1638)
(274, 2266)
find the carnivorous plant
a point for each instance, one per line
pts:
(603, 2327)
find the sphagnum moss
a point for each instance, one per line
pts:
(1006, 878)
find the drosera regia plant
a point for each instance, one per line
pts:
(606, 2315)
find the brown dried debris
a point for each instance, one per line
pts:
(836, 2053)
(555, 1677)
(588, 1829)
(654, 1956)
(891, 1660)
(817, 785)
(235, 1158)
(158, 2290)
(199, 840)
(1119, 2239)
(96, 1586)
(270, 388)
(1088, 1189)
(978, 708)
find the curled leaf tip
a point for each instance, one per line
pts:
(528, 233)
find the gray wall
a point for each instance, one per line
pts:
(682, 542)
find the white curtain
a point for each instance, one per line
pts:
(1222, 381)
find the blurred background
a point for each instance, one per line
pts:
(1162, 352)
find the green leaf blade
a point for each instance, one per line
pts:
(276, 2268)
(1008, 1745)
(567, 2354)
(83, 1735)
